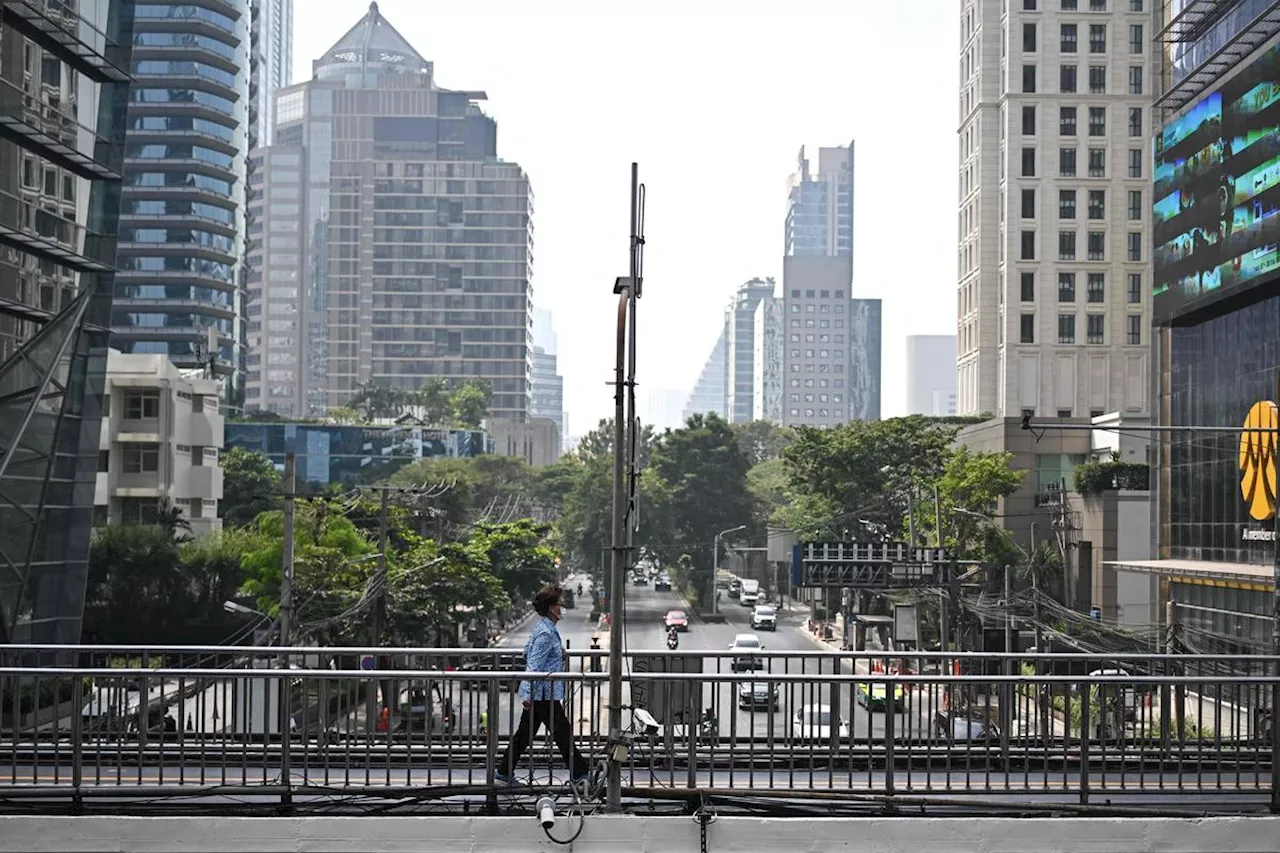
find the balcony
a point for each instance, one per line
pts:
(199, 481)
(27, 227)
(181, 81)
(177, 220)
(206, 429)
(56, 136)
(104, 61)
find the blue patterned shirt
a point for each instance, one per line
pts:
(543, 653)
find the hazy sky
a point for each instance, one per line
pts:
(713, 99)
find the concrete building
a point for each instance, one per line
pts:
(739, 335)
(162, 435)
(536, 440)
(182, 220)
(931, 375)
(62, 88)
(769, 344)
(1054, 257)
(662, 408)
(831, 360)
(709, 393)
(547, 388)
(272, 36)
(394, 244)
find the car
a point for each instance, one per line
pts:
(965, 727)
(749, 593)
(874, 696)
(639, 580)
(742, 647)
(677, 619)
(662, 584)
(735, 587)
(764, 618)
(756, 694)
(501, 663)
(816, 723)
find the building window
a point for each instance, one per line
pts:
(1096, 287)
(1027, 329)
(1066, 287)
(1028, 38)
(1135, 288)
(1028, 204)
(141, 404)
(1066, 204)
(1097, 38)
(1067, 121)
(1066, 328)
(1097, 204)
(1135, 245)
(1028, 5)
(1028, 245)
(1028, 78)
(1134, 338)
(1028, 121)
(141, 458)
(1097, 162)
(1028, 162)
(1068, 38)
(1097, 121)
(1098, 79)
(1097, 245)
(1135, 5)
(1069, 5)
(1135, 121)
(1135, 162)
(104, 461)
(1067, 79)
(1066, 245)
(1093, 328)
(1135, 80)
(1067, 162)
(1135, 38)
(1097, 5)
(1027, 284)
(1135, 205)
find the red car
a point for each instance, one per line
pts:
(676, 619)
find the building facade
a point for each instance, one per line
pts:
(178, 293)
(162, 434)
(394, 244)
(768, 335)
(547, 389)
(739, 335)
(709, 394)
(536, 440)
(1054, 222)
(931, 375)
(64, 82)
(272, 40)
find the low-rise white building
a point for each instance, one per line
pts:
(162, 434)
(536, 441)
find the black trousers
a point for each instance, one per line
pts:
(549, 713)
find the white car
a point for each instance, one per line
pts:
(742, 647)
(764, 618)
(815, 723)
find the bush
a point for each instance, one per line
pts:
(1094, 478)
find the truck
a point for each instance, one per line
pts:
(749, 595)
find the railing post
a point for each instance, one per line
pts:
(77, 740)
(890, 734)
(1085, 719)
(284, 720)
(491, 744)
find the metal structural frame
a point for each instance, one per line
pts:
(1194, 20)
(869, 565)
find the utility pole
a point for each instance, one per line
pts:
(911, 514)
(286, 574)
(379, 602)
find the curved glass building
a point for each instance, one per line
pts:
(178, 291)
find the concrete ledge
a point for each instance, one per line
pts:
(625, 833)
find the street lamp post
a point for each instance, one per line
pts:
(715, 565)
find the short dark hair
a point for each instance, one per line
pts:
(546, 598)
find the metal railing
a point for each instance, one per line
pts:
(82, 722)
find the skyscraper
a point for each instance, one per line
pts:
(931, 375)
(768, 334)
(182, 209)
(1055, 234)
(272, 37)
(740, 337)
(545, 382)
(832, 347)
(709, 393)
(64, 78)
(395, 245)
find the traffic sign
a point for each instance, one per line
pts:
(867, 565)
(367, 662)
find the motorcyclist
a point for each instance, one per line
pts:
(709, 723)
(579, 589)
(673, 638)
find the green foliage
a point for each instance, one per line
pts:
(517, 555)
(344, 416)
(469, 403)
(705, 471)
(761, 441)
(432, 589)
(376, 399)
(1094, 478)
(973, 481)
(433, 398)
(250, 485)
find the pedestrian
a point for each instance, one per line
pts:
(543, 700)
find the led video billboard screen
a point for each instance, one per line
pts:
(1217, 192)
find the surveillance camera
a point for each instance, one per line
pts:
(646, 720)
(546, 812)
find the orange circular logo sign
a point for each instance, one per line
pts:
(1258, 459)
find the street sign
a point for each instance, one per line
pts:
(867, 565)
(366, 663)
(668, 701)
(906, 624)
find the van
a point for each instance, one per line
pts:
(750, 593)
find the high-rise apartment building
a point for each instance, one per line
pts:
(740, 338)
(831, 363)
(64, 79)
(931, 375)
(709, 393)
(1054, 218)
(178, 293)
(768, 333)
(392, 243)
(272, 45)
(546, 385)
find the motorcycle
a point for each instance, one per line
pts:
(673, 639)
(709, 726)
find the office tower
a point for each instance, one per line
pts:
(182, 224)
(395, 245)
(547, 389)
(739, 335)
(272, 45)
(64, 79)
(544, 333)
(709, 393)
(931, 375)
(768, 343)
(832, 347)
(1054, 249)
(663, 408)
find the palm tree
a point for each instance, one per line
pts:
(173, 520)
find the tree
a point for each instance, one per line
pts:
(517, 554)
(434, 398)
(972, 482)
(761, 441)
(598, 443)
(433, 588)
(703, 466)
(136, 590)
(344, 415)
(250, 485)
(376, 399)
(470, 403)
(173, 520)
